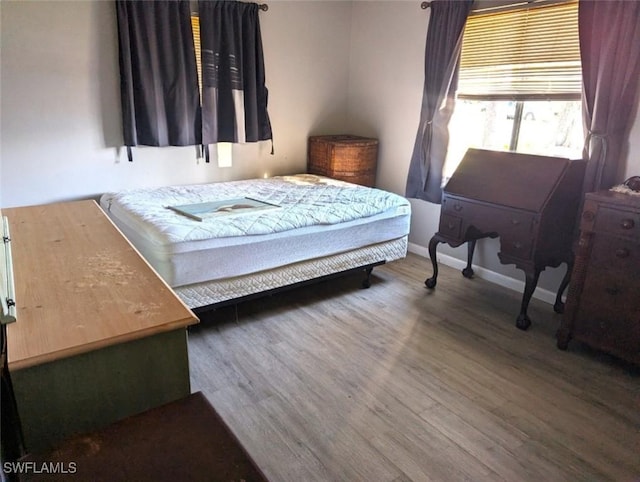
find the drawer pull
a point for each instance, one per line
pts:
(627, 224)
(451, 225)
(457, 207)
(517, 245)
(622, 252)
(515, 222)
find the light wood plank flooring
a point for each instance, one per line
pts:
(398, 383)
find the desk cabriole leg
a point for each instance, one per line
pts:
(433, 245)
(558, 306)
(523, 321)
(467, 272)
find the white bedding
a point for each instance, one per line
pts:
(305, 200)
(317, 217)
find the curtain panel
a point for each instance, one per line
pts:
(442, 55)
(234, 94)
(610, 53)
(158, 77)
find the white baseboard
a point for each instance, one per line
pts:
(484, 273)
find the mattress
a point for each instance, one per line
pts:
(315, 217)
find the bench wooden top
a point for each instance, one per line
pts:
(80, 285)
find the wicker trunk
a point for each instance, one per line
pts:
(344, 157)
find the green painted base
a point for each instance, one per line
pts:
(92, 390)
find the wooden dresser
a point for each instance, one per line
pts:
(530, 202)
(344, 157)
(603, 304)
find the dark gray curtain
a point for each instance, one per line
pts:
(442, 53)
(234, 94)
(158, 77)
(610, 54)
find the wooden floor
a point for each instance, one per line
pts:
(397, 383)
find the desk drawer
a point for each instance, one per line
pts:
(458, 207)
(517, 235)
(516, 246)
(493, 217)
(514, 225)
(450, 226)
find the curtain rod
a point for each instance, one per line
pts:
(194, 7)
(479, 9)
(512, 5)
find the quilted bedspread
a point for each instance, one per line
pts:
(303, 200)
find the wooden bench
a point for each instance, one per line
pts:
(185, 440)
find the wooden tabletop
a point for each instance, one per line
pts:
(80, 285)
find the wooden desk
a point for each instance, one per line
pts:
(530, 202)
(99, 335)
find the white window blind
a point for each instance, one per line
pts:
(530, 53)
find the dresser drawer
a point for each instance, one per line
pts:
(618, 222)
(616, 254)
(610, 313)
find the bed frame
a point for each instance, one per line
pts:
(234, 290)
(365, 284)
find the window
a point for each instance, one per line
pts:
(519, 83)
(162, 103)
(195, 27)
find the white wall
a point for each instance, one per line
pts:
(60, 128)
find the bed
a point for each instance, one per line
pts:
(295, 229)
